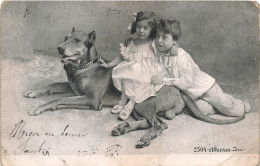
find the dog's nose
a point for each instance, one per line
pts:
(61, 50)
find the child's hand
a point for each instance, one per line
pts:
(103, 63)
(127, 42)
(157, 80)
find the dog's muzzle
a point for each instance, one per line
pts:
(65, 59)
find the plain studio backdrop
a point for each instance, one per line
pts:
(222, 37)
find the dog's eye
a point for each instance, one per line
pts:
(77, 40)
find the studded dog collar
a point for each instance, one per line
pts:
(74, 67)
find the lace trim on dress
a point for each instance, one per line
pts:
(132, 52)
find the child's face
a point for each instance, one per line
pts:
(143, 29)
(164, 42)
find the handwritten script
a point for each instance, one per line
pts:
(27, 146)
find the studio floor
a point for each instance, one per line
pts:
(89, 132)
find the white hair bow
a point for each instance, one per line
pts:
(131, 23)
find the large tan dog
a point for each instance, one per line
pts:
(91, 83)
(93, 87)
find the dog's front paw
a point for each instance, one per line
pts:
(144, 141)
(141, 144)
(34, 112)
(120, 129)
(32, 93)
(51, 106)
(115, 132)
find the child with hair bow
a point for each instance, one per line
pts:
(138, 63)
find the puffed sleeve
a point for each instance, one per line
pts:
(128, 52)
(184, 73)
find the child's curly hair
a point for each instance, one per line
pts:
(170, 26)
(145, 15)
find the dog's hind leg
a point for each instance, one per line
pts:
(153, 133)
(74, 102)
(62, 88)
(175, 110)
(127, 127)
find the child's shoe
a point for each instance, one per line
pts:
(125, 113)
(117, 109)
(247, 106)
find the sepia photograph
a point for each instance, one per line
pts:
(129, 83)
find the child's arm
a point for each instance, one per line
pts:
(183, 82)
(113, 63)
(178, 82)
(184, 79)
(117, 60)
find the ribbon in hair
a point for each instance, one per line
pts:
(131, 23)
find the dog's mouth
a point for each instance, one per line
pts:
(68, 59)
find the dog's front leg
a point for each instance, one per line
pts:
(75, 102)
(127, 127)
(62, 87)
(51, 106)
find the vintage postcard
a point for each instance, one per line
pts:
(129, 83)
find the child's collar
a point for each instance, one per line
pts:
(173, 51)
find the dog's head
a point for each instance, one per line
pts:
(76, 46)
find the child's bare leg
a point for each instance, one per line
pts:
(204, 107)
(127, 110)
(225, 103)
(123, 99)
(119, 107)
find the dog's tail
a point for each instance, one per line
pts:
(195, 110)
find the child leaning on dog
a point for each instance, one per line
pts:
(135, 68)
(185, 74)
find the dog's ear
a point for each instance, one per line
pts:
(92, 39)
(73, 30)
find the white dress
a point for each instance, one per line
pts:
(133, 75)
